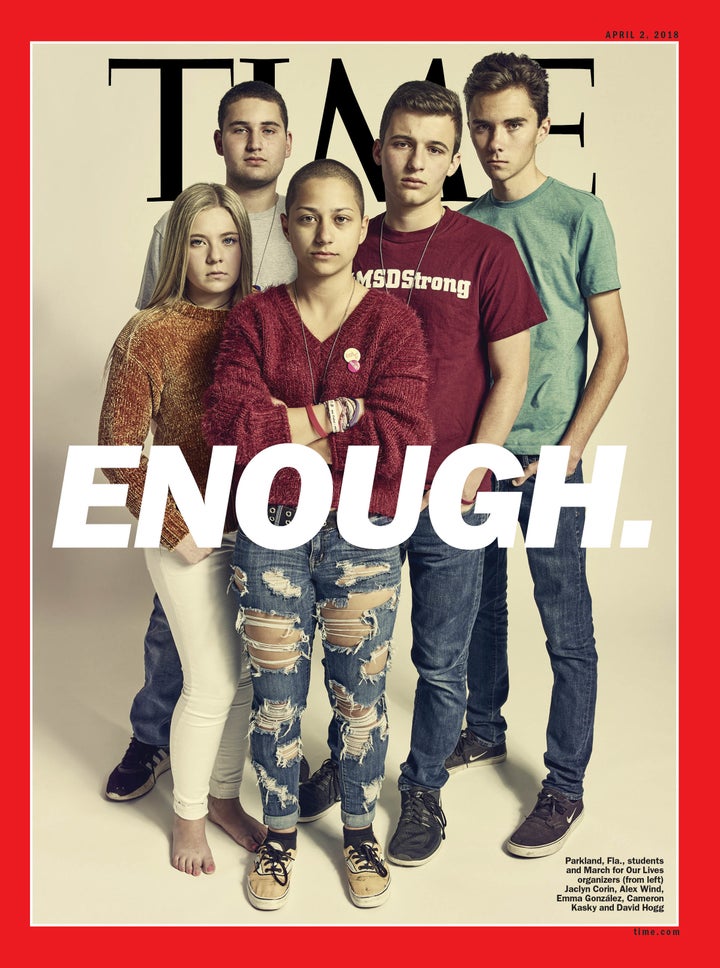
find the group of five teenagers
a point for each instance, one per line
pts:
(159, 368)
(325, 363)
(254, 141)
(478, 310)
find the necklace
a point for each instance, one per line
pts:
(256, 287)
(332, 348)
(226, 303)
(422, 254)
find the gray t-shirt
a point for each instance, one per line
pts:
(273, 259)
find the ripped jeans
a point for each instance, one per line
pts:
(351, 594)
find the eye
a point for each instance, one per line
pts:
(196, 243)
(231, 240)
(342, 219)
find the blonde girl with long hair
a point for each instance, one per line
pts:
(158, 370)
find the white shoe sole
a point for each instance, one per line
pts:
(370, 902)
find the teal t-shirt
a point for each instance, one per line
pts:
(566, 242)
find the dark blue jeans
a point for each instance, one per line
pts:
(563, 600)
(153, 706)
(445, 584)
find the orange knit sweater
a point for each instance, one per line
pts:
(158, 375)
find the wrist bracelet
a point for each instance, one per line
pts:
(331, 408)
(468, 503)
(356, 413)
(314, 422)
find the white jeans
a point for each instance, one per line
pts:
(208, 733)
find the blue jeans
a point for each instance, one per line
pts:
(351, 595)
(153, 706)
(446, 585)
(563, 600)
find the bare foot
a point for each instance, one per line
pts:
(190, 851)
(244, 829)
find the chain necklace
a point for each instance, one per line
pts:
(422, 254)
(224, 305)
(256, 287)
(332, 348)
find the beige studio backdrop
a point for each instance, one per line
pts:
(95, 163)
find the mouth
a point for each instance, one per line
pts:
(323, 255)
(253, 160)
(217, 275)
(413, 183)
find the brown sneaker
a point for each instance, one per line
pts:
(544, 830)
(368, 877)
(268, 883)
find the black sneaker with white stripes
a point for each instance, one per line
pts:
(136, 773)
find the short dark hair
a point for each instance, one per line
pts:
(499, 71)
(424, 97)
(324, 168)
(257, 89)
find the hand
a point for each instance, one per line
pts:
(529, 471)
(322, 446)
(472, 486)
(189, 551)
(278, 403)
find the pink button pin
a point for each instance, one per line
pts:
(353, 366)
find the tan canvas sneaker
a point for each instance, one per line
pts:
(268, 882)
(368, 877)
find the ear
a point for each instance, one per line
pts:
(364, 228)
(454, 165)
(284, 223)
(543, 131)
(377, 151)
(288, 144)
(217, 138)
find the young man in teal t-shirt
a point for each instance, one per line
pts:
(567, 245)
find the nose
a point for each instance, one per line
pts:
(214, 253)
(416, 159)
(496, 141)
(323, 232)
(254, 141)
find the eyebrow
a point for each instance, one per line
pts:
(409, 137)
(482, 120)
(261, 124)
(316, 211)
(201, 235)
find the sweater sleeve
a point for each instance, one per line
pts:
(238, 404)
(132, 399)
(396, 410)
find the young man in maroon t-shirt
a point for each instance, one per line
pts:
(469, 286)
